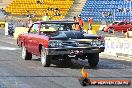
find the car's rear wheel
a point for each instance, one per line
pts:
(93, 59)
(25, 54)
(45, 59)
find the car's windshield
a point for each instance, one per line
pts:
(58, 27)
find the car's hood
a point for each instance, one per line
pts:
(65, 35)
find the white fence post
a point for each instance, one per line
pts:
(6, 28)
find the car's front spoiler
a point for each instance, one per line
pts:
(74, 50)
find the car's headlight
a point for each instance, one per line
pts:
(55, 43)
(97, 43)
(93, 43)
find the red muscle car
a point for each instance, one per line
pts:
(54, 40)
(120, 26)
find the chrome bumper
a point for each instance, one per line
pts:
(74, 50)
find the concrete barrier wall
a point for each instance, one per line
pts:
(118, 46)
(20, 30)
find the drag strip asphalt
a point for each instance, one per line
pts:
(17, 73)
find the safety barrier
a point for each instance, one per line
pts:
(20, 30)
(118, 46)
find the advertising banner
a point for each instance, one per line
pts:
(118, 46)
(130, 49)
(123, 46)
(110, 45)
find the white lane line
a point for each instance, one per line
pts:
(8, 48)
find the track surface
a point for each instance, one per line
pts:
(17, 73)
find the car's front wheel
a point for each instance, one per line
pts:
(45, 59)
(93, 59)
(25, 54)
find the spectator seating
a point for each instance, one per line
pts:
(24, 7)
(96, 8)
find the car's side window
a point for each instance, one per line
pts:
(34, 28)
(122, 23)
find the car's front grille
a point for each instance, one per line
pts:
(76, 44)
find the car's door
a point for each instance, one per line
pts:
(27, 41)
(32, 41)
(35, 43)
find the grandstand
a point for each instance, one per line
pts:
(107, 9)
(98, 9)
(24, 7)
